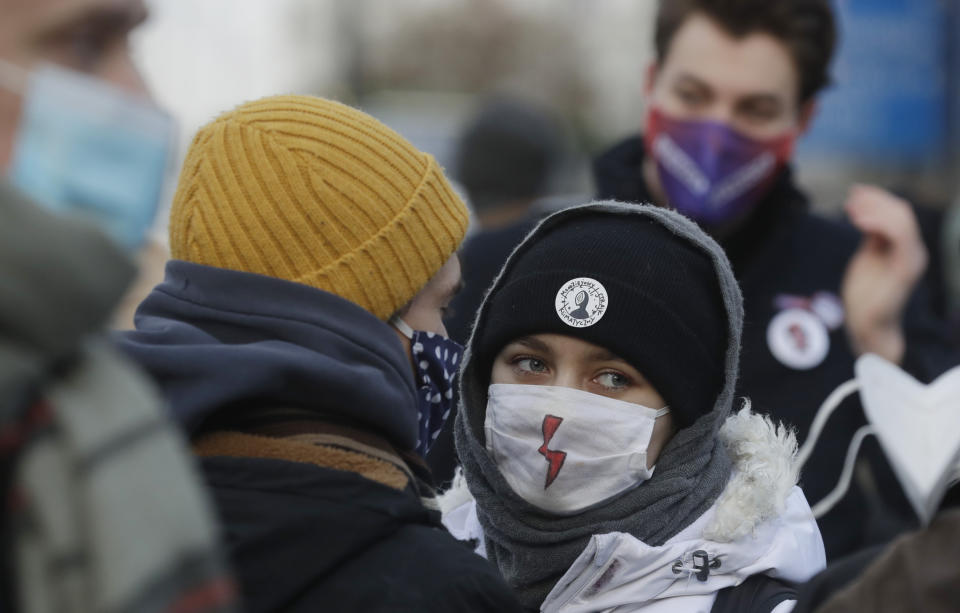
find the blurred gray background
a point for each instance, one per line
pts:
(424, 65)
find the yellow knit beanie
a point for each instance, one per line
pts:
(313, 191)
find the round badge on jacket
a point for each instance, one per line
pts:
(581, 302)
(798, 338)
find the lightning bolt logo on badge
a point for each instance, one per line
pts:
(555, 458)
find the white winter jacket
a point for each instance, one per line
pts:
(761, 524)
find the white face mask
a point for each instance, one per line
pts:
(564, 450)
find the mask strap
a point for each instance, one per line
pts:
(816, 428)
(13, 77)
(820, 420)
(662, 412)
(830, 500)
(402, 326)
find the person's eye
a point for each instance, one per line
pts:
(760, 113)
(85, 47)
(689, 96)
(613, 380)
(530, 365)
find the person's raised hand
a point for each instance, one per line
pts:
(883, 272)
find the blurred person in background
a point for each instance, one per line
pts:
(78, 52)
(298, 338)
(733, 86)
(101, 509)
(506, 157)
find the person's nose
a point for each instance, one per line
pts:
(720, 112)
(567, 378)
(123, 73)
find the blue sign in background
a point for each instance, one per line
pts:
(890, 102)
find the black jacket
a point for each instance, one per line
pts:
(305, 539)
(306, 534)
(784, 250)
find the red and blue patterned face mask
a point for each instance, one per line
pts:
(436, 360)
(710, 172)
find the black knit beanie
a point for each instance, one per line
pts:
(627, 284)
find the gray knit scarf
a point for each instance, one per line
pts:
(533, 548)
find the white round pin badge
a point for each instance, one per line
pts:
(798, 339)
(581, 302)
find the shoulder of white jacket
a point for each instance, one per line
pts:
(457, 495)
(459, 517)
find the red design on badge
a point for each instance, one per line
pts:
(555, 458)
(799, 337)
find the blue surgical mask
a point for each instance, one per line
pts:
(436, 359)
(88, 148)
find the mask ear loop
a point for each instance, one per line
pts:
(403, 326)
(827, 409)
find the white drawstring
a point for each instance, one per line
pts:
(820, 420)
(830, 500)
(816, 428)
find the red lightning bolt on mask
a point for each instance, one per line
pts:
(555, 458)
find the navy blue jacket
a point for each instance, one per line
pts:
(785, 250)
(304, 537)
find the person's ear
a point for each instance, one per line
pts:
(808, 110)
(650, 79)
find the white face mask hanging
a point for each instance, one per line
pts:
(565, 450)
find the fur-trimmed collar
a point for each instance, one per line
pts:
(765, 470)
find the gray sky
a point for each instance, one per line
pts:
(202, 57)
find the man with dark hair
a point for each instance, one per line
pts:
(806, 28)
(732, 87)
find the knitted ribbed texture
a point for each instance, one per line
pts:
(313, 191)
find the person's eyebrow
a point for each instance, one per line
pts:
(756, 98)
(122, 16)
(604, 355)
(448, 293)
(456, 288)
(771, 100)
(686, 78)
(531, 343)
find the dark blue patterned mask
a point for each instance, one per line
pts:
(436, 359)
